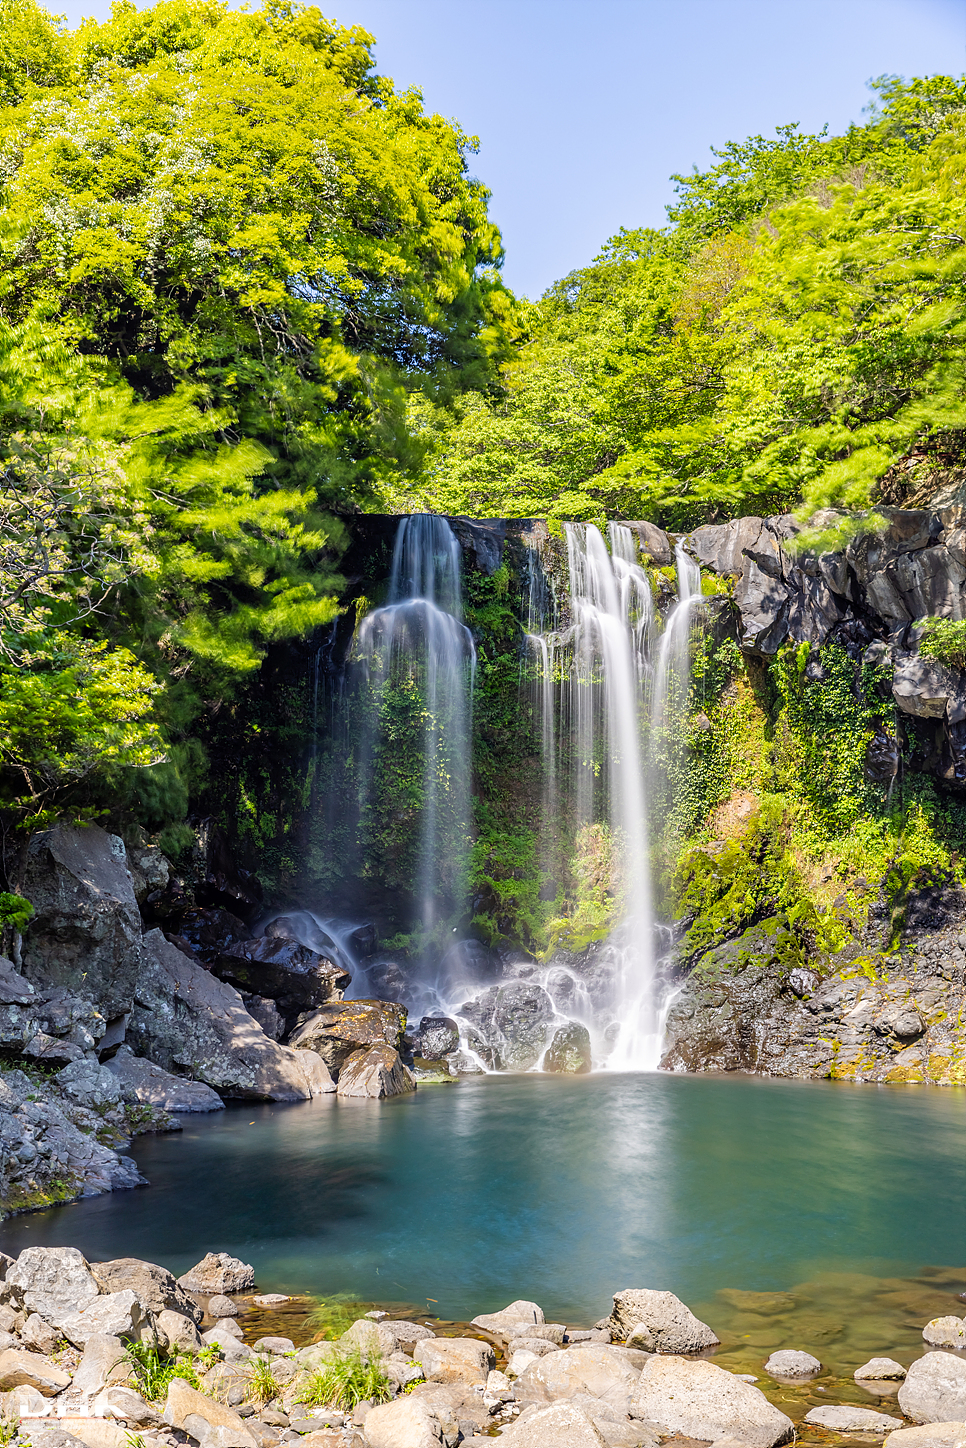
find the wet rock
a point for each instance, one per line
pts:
(700, 1400)
(141, 1082)
(184, 1019)
(791, 1364)
(210, 932)
(935, 1389)
(285, 971)
(846, 1418)
(658, 1322)
(52, 1281)
(803, 982)
(223, 882)
(562, 1425)
(437, 1036)
(512, 1024)
(216, 1273)
(602, 1372)
(454, 1359)
(880, 1370)
(30, 1370)
(337, 1031)
(376, 1072)
(569, 1052)
(467, 966)
(86, 933)
(945, 1331)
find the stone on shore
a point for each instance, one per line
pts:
(935, 1389)
(406, 1334)
(116, 1314)
(700, 1400)
(454, 1359)
(155, 1287)
(340, 1029)
(377, 1072)
(222, 1306)
(791, 1364)
(405, 1423)
(102, 1364)
(658, 1322)
(548, 1331)
(562, 1425)
(847, 1418)
(536, 1346)
(880, 1370)
(143, 1083)
(176, 1331)
(52, 1281)
(507, 1322)
(945, 1332)
(122, 1402)
(283, 970)
(203, 1418)
(229, 1343)
(929, 1435)
(600, 1371)
(218, 1273)
(30, 1370)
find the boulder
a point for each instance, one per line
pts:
(944, 1331)
(267, 1014)
(89, 1084)
(405, 1423)
(376, 1072)
(205, 1419)
(86, 932)
(880, 1370)
(934, 1390)
(929, 1435)
(116, 1314)
(222, 1306)
(562, 1425)
(30, 1370)
(554, 1332)
(155, 1287)
(209, 932)
(847, 1418)
(569, 1052)
(791, 1364)
(101, 1365)
(281, 969)
(658, 1322)
(274, 1346)
(53, 1281)
(927, 689)
(454, 1359)
(438, 1035)
(512, 1024)
(91, 1432)
(140, 1082)
(337, 1031)
(697, 1399)
(406, 1334)
(187, 1021)
(218, 1273)
(126, 1404)
(175, 1330)
(508, 1322)
(599, 1370)
(534, 1346)
(227, 1339)
(371, 1338)
(37, 1335)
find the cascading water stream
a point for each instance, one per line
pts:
(416, 652)
(672, 672)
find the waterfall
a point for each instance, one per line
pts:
(672, 673)
(417, 661)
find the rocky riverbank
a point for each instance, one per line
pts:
(111, 1354)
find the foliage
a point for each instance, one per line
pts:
(944, 639)
(15, 911)
(796, 333)
(331, 1316)
(263, 1386)
(153, 1370)
(345, 1380)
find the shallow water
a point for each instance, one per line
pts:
(559, 1190)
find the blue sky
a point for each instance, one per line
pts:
(584, 108)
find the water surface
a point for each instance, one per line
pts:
(558, 1190)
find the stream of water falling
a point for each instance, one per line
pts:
(418, 645)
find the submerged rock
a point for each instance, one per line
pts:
(847, 1418)
(880, 1370)
(791, 1364)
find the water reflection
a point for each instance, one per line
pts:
(558, 1190)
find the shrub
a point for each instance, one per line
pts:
(945, 641)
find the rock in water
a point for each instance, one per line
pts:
(218, 1273)
(658, 1322)
(847, 1418)
(283, 970)
(935, 1389)
(506, 1324)
(880, 1370)
(340, 1029)
(930, 1435)
(791, 1364)
(377, 1072)
(141, 1082)
(569, 1051)
(438, 1035)
(944, 1331)
(699, 1400)
(512, 1023)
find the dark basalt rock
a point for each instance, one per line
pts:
(282, 969)
(339, 1029)
(511, 1024)
(225, 884)
(569, 1051)
(211, 931)
(437, 1036)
